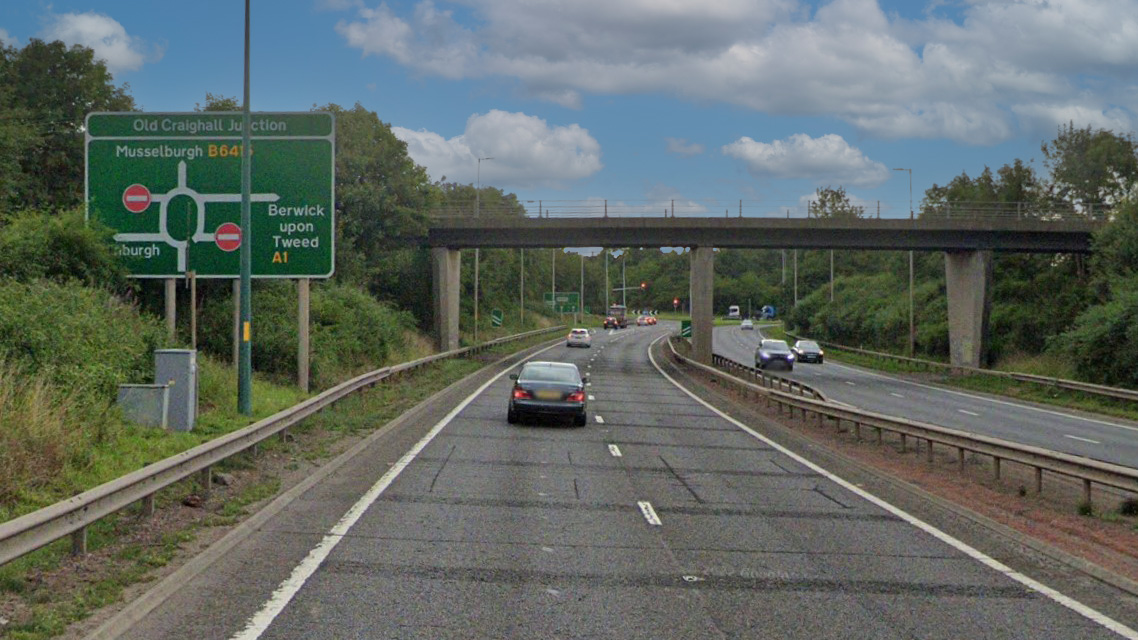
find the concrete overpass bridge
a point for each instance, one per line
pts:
(967, 242)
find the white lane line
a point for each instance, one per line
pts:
(896, 395)
(292, 585)
(1031, 583)
(649, 513)
(615, 451)
(1082, 439)
(592, 397)
(851, 383)
(599, 419)
(969, 413)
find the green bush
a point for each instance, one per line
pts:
(80, 338)
(61, 247)
(350, 331)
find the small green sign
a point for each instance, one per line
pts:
(685, 328)
(563, 302)
(496, 318)
(169, 184)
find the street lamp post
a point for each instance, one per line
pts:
(477, 210)
(912, 325)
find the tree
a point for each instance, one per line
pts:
(51, 89)
(1091, 167)
(218, 103)
(834, 204)
(382, 197)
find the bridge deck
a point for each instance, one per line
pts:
(1028, 236)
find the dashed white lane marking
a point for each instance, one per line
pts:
(896, 395)
(600, 419)
(615, 451)
(1082, 439)
(979, 556)
(649, 513)
(592, 397)
(850, 383)
(969, 413)
(287, 590)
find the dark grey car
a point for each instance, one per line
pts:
(808, 351)
(548, 389)
(774, 352)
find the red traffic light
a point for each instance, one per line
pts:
(643, 285)
(675, 301)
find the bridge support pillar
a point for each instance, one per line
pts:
(968, 274)
(702, 317)
(445, 265)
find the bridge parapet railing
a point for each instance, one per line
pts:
(986, 211)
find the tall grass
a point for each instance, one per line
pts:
(45, 429)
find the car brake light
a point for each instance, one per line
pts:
(521, 394)
(576, 396)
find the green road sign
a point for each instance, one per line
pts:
(169, 184)
(685, 328)
(563, 302)
(496, 318)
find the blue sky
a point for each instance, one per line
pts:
(646, 102)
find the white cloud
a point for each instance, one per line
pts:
(105, 36)
(978, 72)
(828, 158)
(8, 40)
(526, 151)
(680, 147)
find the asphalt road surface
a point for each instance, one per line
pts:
(1094, 437)
(659, 519)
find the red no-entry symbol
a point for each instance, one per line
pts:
(228, 237)
(136, 198)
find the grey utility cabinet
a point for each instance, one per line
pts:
(178, 369)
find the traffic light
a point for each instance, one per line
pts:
(643, 285)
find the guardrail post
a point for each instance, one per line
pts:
(904, 443)
(147, 505)
(996, 467)
(929, 453)
(1039, 479)
(960, 457)
(880, 436)
(205, 477)
(79, 542)
(1087, 492)
(856, 429)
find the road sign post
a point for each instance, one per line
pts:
(169, 184)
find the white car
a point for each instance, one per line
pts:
(579, 338)
(747, 325)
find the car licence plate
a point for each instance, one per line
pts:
(548, 394)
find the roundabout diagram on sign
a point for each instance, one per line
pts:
(227, 236)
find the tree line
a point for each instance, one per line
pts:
(1073, 308)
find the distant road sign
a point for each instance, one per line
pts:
(563, 302)
(228, 237)
(685, 328)
(189, 166)
(496, 316)
(136, 198)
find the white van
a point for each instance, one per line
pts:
(733, 312)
